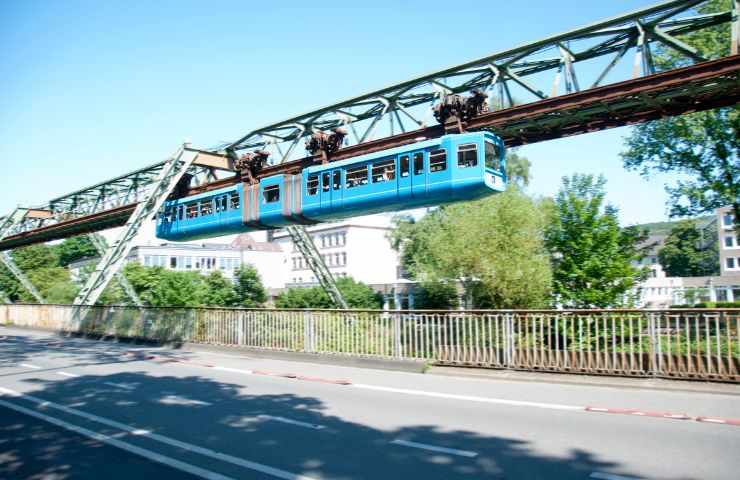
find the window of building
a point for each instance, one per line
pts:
(271, 194)
(727, 220)
(492, 156)
(344, 238)
(437, 161)
(344, 258)
(312, 184)
(404, 166)
(418, 163)
(222, 263)
(653, 260)
(147, 260)
(467, 155)
(730, 263)
(188, 263)
(197, 263)
(356, 177)
(385, 171)
(234, 200)
(729, 241)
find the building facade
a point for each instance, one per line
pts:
(729, 244)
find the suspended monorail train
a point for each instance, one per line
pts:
(447, 169)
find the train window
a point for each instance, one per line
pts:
(337, 179)
(385, 171)
(271, 193)
(220, 204)
(437, 160)
(234, 200)
(467, 155)
(492, 156)
(404, 166)
(325, 182)
(418, 163)
(356, 177)
(180, 212)
(191, 210)
(168, 217)
(312, 184)
(206, 207)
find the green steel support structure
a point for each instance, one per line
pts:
(611, 52)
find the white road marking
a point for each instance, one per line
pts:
(178, 400)
(142, 452)
(28, 365)
(434, 448)
(144, 349)
(291, 422)
(66, 374)
(610, 476)
(122, 386)
(471, 398)
(258, 467)
(234, 370)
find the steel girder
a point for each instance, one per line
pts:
(101, 246)
(104, 205)
(303, 242)
(7, 225)
(535, 71)
(115, 254)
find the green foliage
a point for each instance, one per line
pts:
(494, 246)
(686, 254)
(75, 248)
(592, 256)
(249, 290)
(219, 291)
(166, 288)
(356, 294)
(703, 146)
(436, 295)
(517, 169)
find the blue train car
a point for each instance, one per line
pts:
(431, 172)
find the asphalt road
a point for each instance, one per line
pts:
(72, 408)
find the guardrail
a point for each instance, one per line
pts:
(697, 344)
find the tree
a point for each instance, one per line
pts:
(436, 295)
(248, 287)
(356, 294)
(75, 248)
(219, 291)
(166, 288)
(591, 255)
(493, 246)
(517, 168)
(685, 253)
(703, 146)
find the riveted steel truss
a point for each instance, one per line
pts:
(7, 225)
(101, 246)
(605, 52)
(115, 255)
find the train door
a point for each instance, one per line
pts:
(404, 177)
(337, 187)
(418, 175)
(325, 194)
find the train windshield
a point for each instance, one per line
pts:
(492, 156)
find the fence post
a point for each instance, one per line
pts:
(308, 333)
(509, 340)
(654, 368)
(396, 335)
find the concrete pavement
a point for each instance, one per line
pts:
(215, 415)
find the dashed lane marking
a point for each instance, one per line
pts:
(67, 374)
(257, 467)
(434, 448)
(122, 386)
(114, 442)
(291, 422)
(610, 476)
(28, 365)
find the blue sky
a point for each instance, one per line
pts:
(91, 90)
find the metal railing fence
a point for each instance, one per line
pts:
(678, 343)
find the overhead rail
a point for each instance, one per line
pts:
(535, 92)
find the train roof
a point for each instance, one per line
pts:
(208, 194)
(393, 151)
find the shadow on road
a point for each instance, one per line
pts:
(230, 418)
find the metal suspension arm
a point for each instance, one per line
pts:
(5, 228)
(305, 245)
